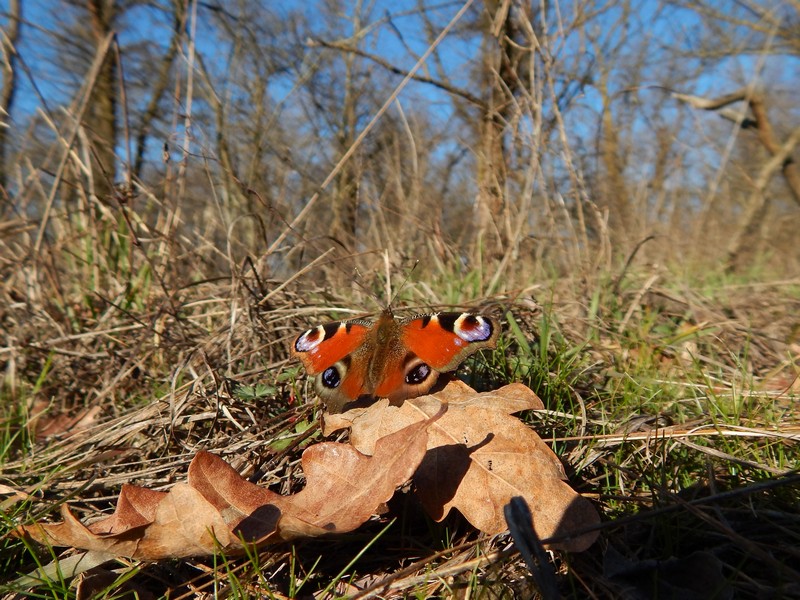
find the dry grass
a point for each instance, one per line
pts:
(673, 409)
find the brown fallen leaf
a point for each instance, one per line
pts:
(218, 509)
(136, 507)
(250, 512)
(514, 397)
(478, 458)
(183, 524)
(345, 487)
(14, 496)
(45, 421)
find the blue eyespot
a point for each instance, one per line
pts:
(418, 374)
(331, 378)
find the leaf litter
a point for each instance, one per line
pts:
(152, 444)
(462, 450)
(218, 510)
(479, 457)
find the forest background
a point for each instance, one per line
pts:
(542, 138)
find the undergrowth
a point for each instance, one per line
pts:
(669, 410)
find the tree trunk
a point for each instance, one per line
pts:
(345, 194)
(100, 119)
(504, 79)
(9, 42)
(162, 81)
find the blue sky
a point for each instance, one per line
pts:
(400, 39)
(399, 42)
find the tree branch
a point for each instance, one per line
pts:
(313, 43)
(760, 122)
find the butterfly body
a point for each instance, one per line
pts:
(389, 358)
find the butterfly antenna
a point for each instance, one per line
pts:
(403, 284)
(358, 280)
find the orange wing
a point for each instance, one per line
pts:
(324, 345)
(444, 340)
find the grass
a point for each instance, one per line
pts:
(676, 418)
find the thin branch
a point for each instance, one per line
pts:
(760, 122)
(398, 71)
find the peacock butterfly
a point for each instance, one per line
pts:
(389, 358)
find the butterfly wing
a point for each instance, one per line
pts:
(335, 353)
(324, 345)
(389, 359)
(444, 340)
(432, 344)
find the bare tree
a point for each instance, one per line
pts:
(100, 119)
(340, 89)
(8, 94)
(530, 129)
(160, 84)
(767, 33)
(781, 159)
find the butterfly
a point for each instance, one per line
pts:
(389, 358)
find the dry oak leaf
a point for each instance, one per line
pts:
(46, 422)
(182, 523)
(478, 458)
(218, 509)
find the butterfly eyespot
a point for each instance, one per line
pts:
(309, 340)
(473, 328)
(418, 374)
(331, 378)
